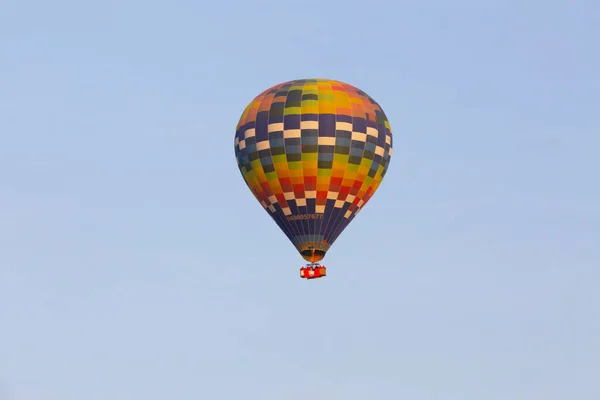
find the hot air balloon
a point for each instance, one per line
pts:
(313, 152)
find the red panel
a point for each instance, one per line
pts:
(281, 199)
(310, 180)
(335, 181)
(285, 181)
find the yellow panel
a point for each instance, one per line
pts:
(352, 167)
(324, 179)
(309, 109)
(326, 107)
(296, 173)
(341, 159)
(338, 172)
(295, 166)
(311, 171)
(292, 110)
(280, 158)
(347, 182)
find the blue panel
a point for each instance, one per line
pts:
(277, 142)
(381, 137)
(325, 156)
(310, 117)
(327, 125)
(359, 125)
(262, 122)
(274, 118)
(310, 140)
(293, 149)
(311, 206)
(344, 118)
(354, 151)
(291, 121)
(342, 142)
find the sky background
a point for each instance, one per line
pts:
(136, 264)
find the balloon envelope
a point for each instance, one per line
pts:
(313, 152)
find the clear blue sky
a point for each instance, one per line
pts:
(135, 263)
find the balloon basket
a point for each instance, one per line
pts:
(313, 271)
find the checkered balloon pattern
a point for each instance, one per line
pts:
(313, 152)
